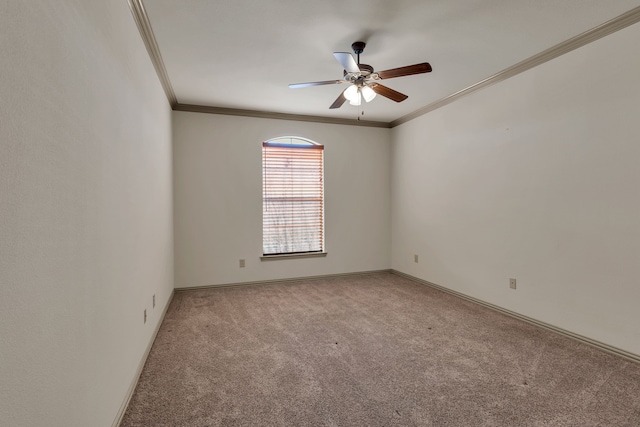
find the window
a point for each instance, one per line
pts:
(292, 197)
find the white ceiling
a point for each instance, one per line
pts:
(243, 53)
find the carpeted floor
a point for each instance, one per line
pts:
(376, 350)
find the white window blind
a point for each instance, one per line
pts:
(292, 197)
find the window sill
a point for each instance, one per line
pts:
(291, 256)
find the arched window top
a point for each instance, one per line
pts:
(292, 141)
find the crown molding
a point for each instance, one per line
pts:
(279, 116)
(618, 23)
(146, 32)
(149, 39)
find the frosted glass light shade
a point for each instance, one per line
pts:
(367, 93)
(357, 100)
(351, 93)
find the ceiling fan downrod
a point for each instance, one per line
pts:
(358, 48)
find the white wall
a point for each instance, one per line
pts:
(85, 211)
(218, 199)
(535, 178)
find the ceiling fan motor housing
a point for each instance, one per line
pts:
(366, 71)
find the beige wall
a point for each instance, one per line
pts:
(535, 178)
(85, 210)
(218, 199)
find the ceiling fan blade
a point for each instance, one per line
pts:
(425, 67)
(346, 60)
(326, 82)
(388, 92)
(339, 101)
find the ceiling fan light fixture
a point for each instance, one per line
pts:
(363, 80)
(367, 93)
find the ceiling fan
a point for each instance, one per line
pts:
(364, 80)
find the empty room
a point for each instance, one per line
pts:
(279, 213)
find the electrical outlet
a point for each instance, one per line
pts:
(145, 315)
(241, 263)
(415, 259)
(154, 300)
(512, 283)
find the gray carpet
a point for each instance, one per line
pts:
(377, 350)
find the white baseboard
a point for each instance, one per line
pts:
(143, 360)
(289, 280)
(600, 345)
